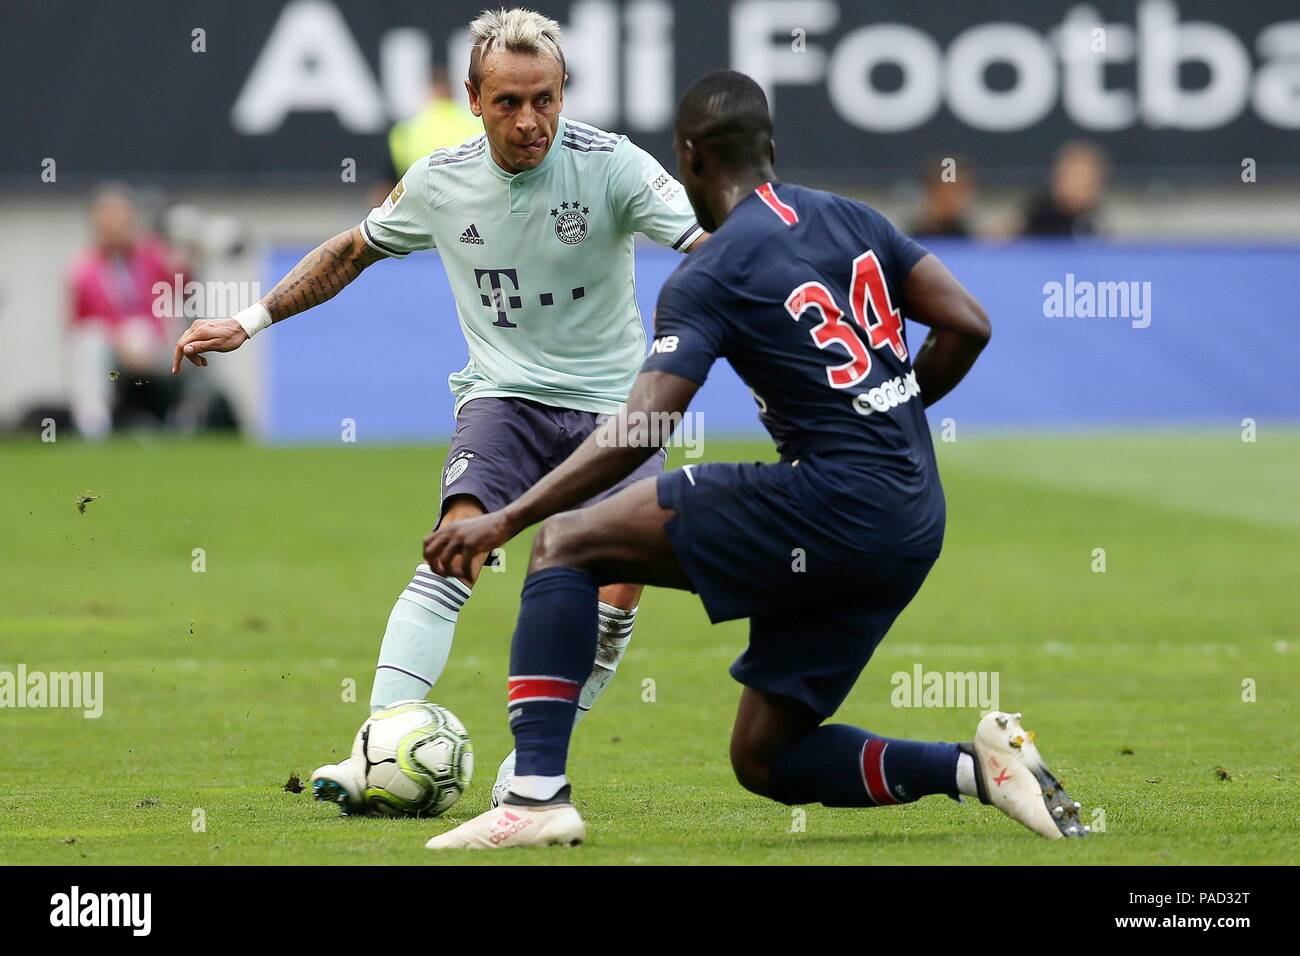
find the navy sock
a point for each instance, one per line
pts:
(842, 766)
(550, 657)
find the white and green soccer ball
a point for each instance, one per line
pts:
(415, 757)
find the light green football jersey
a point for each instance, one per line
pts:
(540, 262)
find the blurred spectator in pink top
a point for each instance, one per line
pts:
(121, 327)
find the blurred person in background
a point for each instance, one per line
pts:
(119, 340)
(1070, 207)
(442, 121)
(949, 191)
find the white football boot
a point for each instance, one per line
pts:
(1011, 775)
(340, 783)
(523, 823)
(505, 774)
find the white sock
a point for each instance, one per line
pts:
(537, 788)
(612, 637)
(418, 638)
(966, 776)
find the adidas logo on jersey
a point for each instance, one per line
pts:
(471, 236)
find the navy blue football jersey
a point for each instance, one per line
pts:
(801, 291)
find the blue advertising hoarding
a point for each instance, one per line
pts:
(1085, 335)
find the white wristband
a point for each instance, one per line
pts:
(254, 319)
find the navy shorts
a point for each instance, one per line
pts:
(504, 446)
(769, 542)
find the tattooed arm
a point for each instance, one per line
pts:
(321, 275)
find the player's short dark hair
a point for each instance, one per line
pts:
(726, 113)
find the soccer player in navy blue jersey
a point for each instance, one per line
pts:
(804, 293)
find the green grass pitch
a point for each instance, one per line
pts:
(218, 685)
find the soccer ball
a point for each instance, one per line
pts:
(415, 757)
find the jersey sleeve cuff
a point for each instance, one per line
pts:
(690, 372)
(378, 246)
(688, 236)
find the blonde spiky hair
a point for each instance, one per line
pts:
(520, 30)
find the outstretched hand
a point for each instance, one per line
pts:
(208, 335)
(451, 549)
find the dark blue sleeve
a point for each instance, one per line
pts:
(903, 251)
(688, 337)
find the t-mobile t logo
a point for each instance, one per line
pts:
(498, 298)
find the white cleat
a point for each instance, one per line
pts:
(511, 825)
(340, 783)
(1013, 777)
(505, 777)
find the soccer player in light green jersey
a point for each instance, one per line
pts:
(534, 221)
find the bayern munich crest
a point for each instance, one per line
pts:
(457, 467)
(571, 222)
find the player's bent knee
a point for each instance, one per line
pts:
(459, 508)
(557, 544)
(752, 771)
(625, 596)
